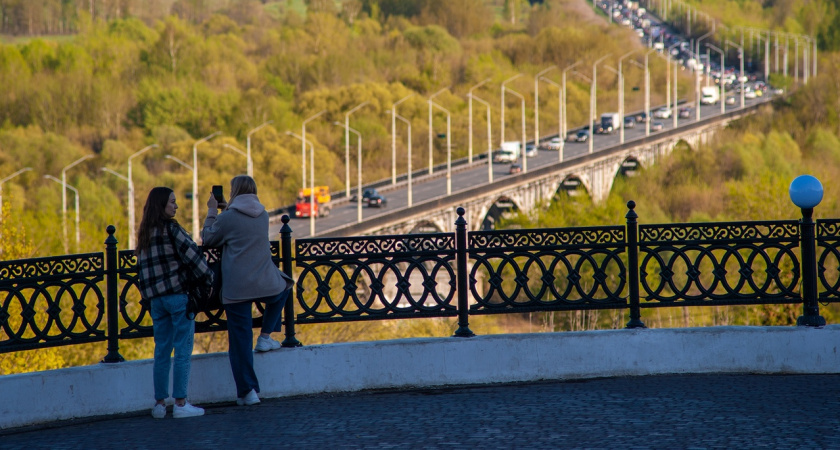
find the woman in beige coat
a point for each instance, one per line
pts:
(248, 275)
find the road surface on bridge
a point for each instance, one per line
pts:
(429, 187)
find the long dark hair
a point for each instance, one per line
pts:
(154, 216)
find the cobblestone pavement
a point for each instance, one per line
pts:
(675, 411)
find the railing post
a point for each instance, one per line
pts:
(289, 309)
(632, 236)
(807, 249)
(462, 275)
(112, 298)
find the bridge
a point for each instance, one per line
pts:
(484, 201)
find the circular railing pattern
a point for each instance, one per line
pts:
(559, 279)
(375, 277)
(719, 263)
(51, 301)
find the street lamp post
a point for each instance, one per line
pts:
(347, 149)
(25, 169)
(722, 71)
(559, 115)
(394, 138)
(470, 98)
(311, 172)
(195, 181)
(621, 94)
(358, 170)
(64, 196)
(673, 106)
(131, 208)
(741, 58)
(537, 103)
(524, 136)
(250, 167)
(431, 139)
(65, 186)
(448, 147)
(696, 73)
(303, 156)
(489, 139)
(124, 178)
(564, 129)
(503, 107)
(647, 93)
(408, 123)
(593, 102)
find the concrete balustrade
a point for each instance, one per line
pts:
(107, 389)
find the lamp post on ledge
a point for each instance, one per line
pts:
(806, 192)
(489, 138)
(250, 168)
(358, 169)
(131, 208)
(64, 185)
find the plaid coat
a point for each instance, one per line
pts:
(161, 267)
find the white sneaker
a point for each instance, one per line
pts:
(159, 411)
(266, 344)
(250, 398)
(180, 412)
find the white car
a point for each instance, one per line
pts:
(553, 144)
(749, 93)
(662, 113)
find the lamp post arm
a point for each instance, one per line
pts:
(116, 174)
(250, 168)
(25, 169)
(189, 167)
(237, 150)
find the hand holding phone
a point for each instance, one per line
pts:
(219, 193)
(219, 197)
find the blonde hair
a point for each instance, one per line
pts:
(242, 184)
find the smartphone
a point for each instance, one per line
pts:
(219, 193)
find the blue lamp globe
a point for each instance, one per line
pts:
(806, 191)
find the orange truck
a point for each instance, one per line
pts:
(321, 208)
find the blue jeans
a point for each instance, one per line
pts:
(172, 329)
(241, 337)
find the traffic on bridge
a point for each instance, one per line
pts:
(722, 87)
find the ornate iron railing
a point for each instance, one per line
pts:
(65, 300)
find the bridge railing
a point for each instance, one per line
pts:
(75, 299)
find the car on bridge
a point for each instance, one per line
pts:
(662, 113)
(370, 196)
(530, 150)
(376, 200)
(629, 122)
(582, 136)
(685, 112)
(515, 168)
(553, 144)
(657, 126)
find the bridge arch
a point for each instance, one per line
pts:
(572, 185)
(493, 212)
(427, 226)
(628, 167)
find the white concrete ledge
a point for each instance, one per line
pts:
(426, 362)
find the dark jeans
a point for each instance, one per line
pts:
(241, 337)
